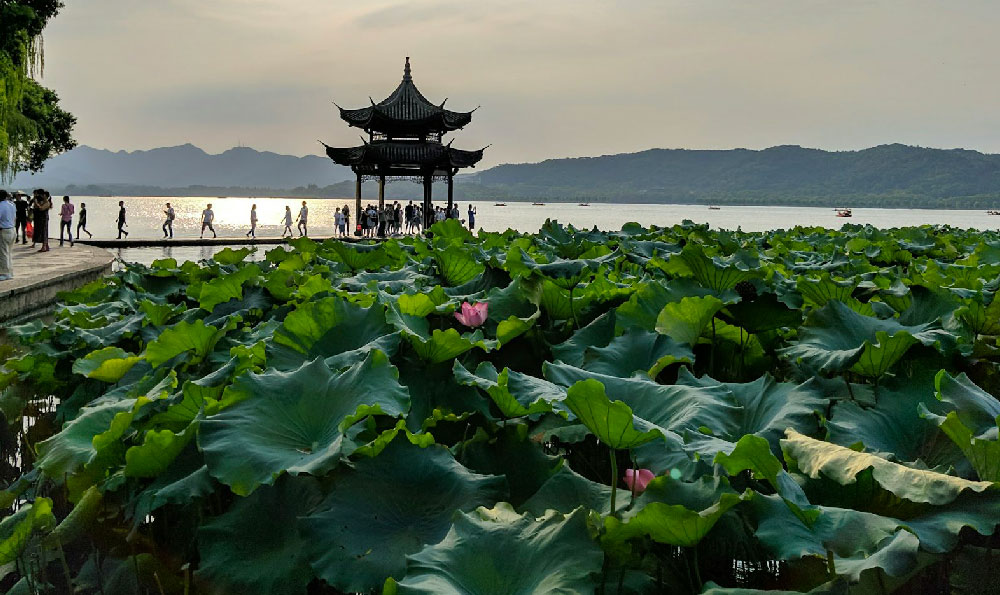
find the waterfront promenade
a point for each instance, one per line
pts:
(38, 278)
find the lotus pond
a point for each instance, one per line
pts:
(665, 410)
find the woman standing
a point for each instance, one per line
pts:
(346, 211)
(253, 222)
(42, 206)
(288, 222)
(81, 221)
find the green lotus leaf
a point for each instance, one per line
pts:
(892, 428)
(225, 287)
(195, 398)
(611, 422)
(635, 351)
(514, 393)
(307, 411)
(685, 321)
(444, 345)
(72, 448)
(256, 546)
(716, 273)
(972, 424)
(818, 291)
(836, 337)
(158, 449)
(751, 453)
(598, 333)
(279, 284)
(815, 457)
(228, 256)
(420, 304)
(764, 313)
(386, 437)
(183, 337)
(388, 507)
(17, 529)
(330, 326)
(457, 266)
(859, 541)
(107, 365)
(979, 318)
(160, 314)
(673, 512)
(510, 453)
(566, 491)
(495, 551)
(185, 479)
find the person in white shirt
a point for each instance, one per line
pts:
(253, 222)
(303, 215)
(207, 217)
(338, 222)
(8, 217)
(168, 224)
(288, 221)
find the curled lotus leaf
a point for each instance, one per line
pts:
(296, 422)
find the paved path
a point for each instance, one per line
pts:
(227, 241)
(38, 278)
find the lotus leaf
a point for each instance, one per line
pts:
(389, 507)
(307, 411)
(107, 365)
(495, 552)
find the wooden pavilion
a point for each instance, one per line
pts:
(405, 133)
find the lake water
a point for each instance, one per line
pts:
(232, 218)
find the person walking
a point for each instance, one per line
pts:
(207, 217)
(472, 217)
(66, 221)
(122, 224)
(81, 221)
(303, 227)
(8, 218)
(253, 222)
(168, 223)
(346, 211)
(42, 205)
(287, 221)
(21, 220)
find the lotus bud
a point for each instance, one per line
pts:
(638, 479)
(472, 315)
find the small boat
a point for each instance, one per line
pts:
(583, 204)
(499, 204)
(714, 208)
(844, 212)
(993, 212)
(538, 204)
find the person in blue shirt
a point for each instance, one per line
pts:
(8, 215)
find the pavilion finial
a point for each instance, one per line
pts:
(406, 70)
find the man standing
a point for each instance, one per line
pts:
(121, 220)
(303, 216)
(472, 217)
(66, 221)
(21, 221)
(8, 214)
(207, 217)
(168, 224)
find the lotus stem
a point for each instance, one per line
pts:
(831, 567)
(697, 572)
(614, 481)
(572, 309)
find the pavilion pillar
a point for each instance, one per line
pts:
(451, 193)
(381, 192)
(428, 204)
(357, 202)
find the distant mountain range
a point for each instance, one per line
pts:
(888, 176)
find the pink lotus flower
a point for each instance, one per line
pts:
(638, 479)
(472, 315)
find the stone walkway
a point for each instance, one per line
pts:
(38, 278)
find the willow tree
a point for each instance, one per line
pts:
(32, 125)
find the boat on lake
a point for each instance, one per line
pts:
(713, 208)
(499, 204)
(993, 212)
(583, 204)
(538, 204)
(843, 212)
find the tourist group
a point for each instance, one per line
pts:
(26, 217)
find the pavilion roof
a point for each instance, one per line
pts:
(406, 112)
(394, 154)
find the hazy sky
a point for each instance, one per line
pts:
(554, 78)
